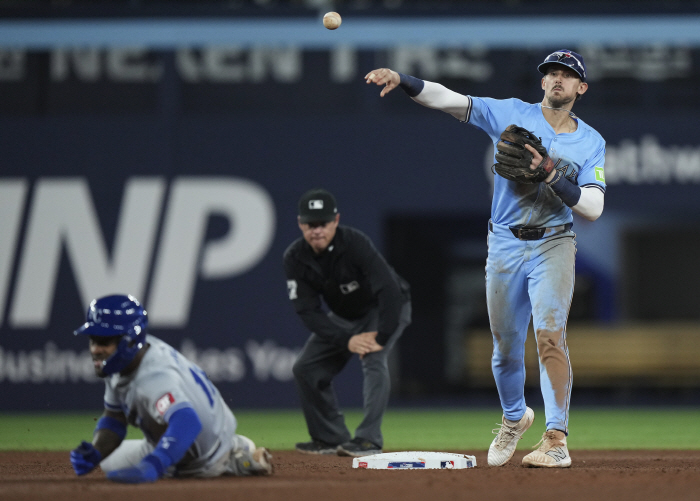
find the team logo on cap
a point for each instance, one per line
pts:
(567, 58)
(315, 204)
(95, 315)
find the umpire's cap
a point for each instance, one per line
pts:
(317, 205)
(567, 58)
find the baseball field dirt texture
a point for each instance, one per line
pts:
(594, 475)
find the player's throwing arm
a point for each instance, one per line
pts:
(429, 94)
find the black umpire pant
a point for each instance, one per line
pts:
(320, 361)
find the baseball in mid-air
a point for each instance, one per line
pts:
(332, 20)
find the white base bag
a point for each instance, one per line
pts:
(415, 460)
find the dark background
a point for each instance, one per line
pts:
(415, 180)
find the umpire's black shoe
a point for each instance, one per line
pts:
(316, 447)
(358, 447)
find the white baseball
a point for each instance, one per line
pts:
(332, 20)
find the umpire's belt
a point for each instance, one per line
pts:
(524, 233)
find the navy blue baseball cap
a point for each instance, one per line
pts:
(567, 58)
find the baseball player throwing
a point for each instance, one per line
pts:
(188, 429)
(531, 248)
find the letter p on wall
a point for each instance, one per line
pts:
(251, 214)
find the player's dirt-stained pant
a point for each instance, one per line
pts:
(239, 461)
(527, 278)
(320, 361)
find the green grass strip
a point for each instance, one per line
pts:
(404, 429)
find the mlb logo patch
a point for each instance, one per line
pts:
(349, 288)
(164, 403)
(315, 204)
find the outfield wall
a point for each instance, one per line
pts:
(172, 170)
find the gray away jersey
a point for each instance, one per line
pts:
(164, 382)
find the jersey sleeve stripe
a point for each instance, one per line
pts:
(469, 110)
(176, 407)
(594, 185)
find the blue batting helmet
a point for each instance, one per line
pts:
(567, 58)
(117, 315)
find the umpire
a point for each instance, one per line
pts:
(368, 308)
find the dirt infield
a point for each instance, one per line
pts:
(594, 475)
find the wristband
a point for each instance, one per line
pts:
(112, 424)
(411, 85)
(569, 192)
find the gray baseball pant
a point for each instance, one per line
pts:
(320, 361)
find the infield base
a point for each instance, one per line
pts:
(415, 460)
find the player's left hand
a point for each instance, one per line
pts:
(85, 458)
(145, 471)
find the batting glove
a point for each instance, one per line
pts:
(85, 458)
(149, 469)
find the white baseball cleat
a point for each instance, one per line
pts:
(246, 443)
(507, 436)
(262, 461)
(252, 460)
(551, 453)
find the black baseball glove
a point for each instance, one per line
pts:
(513, 160)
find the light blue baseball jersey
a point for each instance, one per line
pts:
(164, 382)
(582, 154)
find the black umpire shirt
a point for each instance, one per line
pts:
(352, 277)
